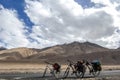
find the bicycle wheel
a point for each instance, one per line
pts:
(44, 72)
(57, 75)
(66, 72)
(95, 73)
(80, 73)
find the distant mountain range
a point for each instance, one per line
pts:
(60, 53)
(2, 48)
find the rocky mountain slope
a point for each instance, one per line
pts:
(2, 48)
(60, 53)
(17, 53)
(66, 50)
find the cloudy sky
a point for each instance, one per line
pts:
(43, 23)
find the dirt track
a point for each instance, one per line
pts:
(30, 71)
(105, 75)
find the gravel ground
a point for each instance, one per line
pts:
(50, 78)
(105, 78)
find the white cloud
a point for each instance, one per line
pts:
(42, 40)
(104, 2)
(61, 21)
(11, 29)
(113, 40)
(68, 21)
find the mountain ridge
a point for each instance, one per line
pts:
(2, 48)
(60, 53)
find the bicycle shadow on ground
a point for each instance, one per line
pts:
(53, 78)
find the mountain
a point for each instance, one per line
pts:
(60, 53)
(118, 48)
(70, 49)
(2, 48)
(17, 53)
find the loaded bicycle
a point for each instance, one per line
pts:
(78, 70)
(94, 67)
(54, 69)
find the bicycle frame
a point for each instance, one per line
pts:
(70, 65)
(77, 73)
(91, 70)
(51, 71)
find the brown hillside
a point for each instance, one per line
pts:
(2, 48)
(17, 53)
(60, 53)
(74, 48)
(106, 57)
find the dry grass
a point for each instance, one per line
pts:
(36, 67)
(21, 67)
(111, 67)
(105, 78)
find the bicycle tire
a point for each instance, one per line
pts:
(44, 72)
(66, 73)
(80, 74)
(56, 75)
(96, 73)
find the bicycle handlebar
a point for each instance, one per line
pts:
(70, 61)
(48, 63)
